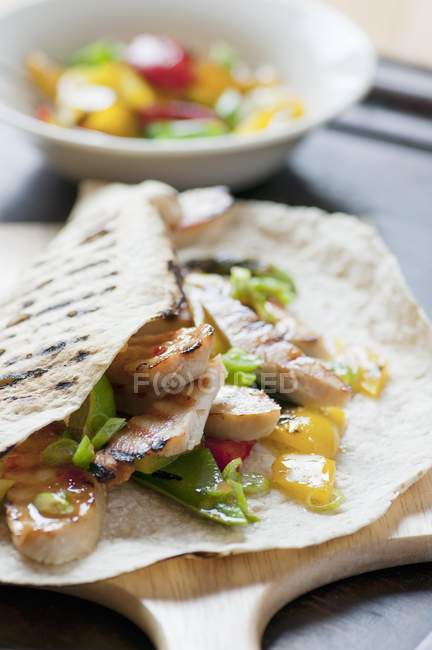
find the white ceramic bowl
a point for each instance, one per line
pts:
(319, 52)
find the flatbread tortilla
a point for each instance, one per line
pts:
(351, 287)
(110, 271)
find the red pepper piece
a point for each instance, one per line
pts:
(224, 451)
(175, 110)
(161, 61)
(45, 113)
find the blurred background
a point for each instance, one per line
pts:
(375, 161)
(400, 29)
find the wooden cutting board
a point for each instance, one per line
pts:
(214, 604)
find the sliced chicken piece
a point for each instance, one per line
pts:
(298, 334)
(240, 413)
(165, 199)
(285, 370)
(202, 211)
(160, 362)
(288, 326)
(46, 538)
(170, 426)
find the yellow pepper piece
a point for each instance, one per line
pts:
(131, 89)
(308, 431)
(115, 120)
(365, 371)
(211, 80)
(297, 108)
(259, 120)
(43, 73)
(373, 377)
(337, 416)
(307, 478)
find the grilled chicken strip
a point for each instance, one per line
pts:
(160, 363)
(299, 334)
(202, 210)
(285, 370)
(170, 426)
(51, 539)
(288, 326)
(240, 413)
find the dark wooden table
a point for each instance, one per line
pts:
(374, 162)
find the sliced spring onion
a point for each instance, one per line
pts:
(223, 54)
(5, 486)
(85, 453)
(243, 484)
(332, 506)
(97, 53)
(252, 484)
(53, 504)
(228, 105)
(231, 471)
(344, 371)
(181, 129)
(60, 452)
(255, 290)
(240, 367)
(242, 501)
(106, 432)
(255, 484)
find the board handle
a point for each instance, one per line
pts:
(190, 604)
(216, 622)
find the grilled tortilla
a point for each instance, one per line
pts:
(108, 273)
(348, 283)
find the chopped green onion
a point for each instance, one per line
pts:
(96, 410)
(243, 484)
(344, 371)
(60, 452)
(255, 484)
(85, 453)
(231, 471)
(252, 484)
(182, 129)
(5, 486)
(334, 504)
(97, 53)
(227, 106)
(233, 477)
(53, 504)
(223, 54)
(242, 501)
(256, 290)
(240, 367)
(106, 432)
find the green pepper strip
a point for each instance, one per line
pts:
(96, 410)
(195, 481)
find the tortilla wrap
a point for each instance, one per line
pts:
(351, 287)
(103, 277)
